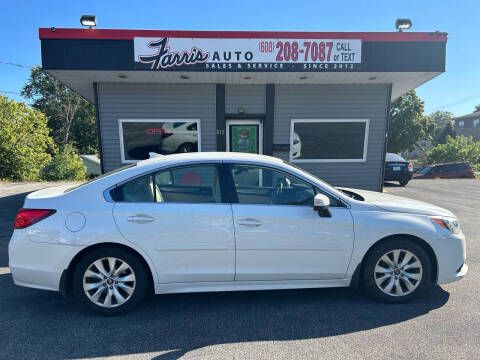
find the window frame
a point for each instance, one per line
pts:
(365, 140)
(221, 173)
(169, 120)
(232, 191)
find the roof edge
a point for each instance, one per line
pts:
(472, 115)
(123, 34)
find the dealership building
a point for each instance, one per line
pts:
(317, 99)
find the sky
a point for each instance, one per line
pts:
(457, 90)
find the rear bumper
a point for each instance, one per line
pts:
(38, 265)
(400, 176)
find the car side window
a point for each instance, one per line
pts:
(188, 184)
(185, 184)
(266, 186)
(137, 190)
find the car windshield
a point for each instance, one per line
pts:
(425, 170)
(326, 185)
(101, 176)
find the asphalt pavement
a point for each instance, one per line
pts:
(293, 324)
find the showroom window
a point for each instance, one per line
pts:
(139, 137)
(331, 140)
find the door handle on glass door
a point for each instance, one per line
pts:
(249, 222)
(141, 219)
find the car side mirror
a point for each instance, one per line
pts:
(321, 204)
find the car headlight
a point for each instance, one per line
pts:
(451, 224)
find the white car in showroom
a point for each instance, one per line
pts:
(227, 221)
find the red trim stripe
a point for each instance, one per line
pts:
(111, 34)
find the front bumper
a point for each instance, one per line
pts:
(451, 255)
(38, 265)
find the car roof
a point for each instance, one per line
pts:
(451, 163)
(210, 156)
(393, 157)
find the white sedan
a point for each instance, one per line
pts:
(227, 221)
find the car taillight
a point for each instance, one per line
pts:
(166, 133)
(27, 217)
(410, 167)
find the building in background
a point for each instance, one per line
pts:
(318, 100)
(468, 125)
(92, 163)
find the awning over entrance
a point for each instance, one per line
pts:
(81, 57)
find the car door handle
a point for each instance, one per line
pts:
(140, 219)
(249, 222)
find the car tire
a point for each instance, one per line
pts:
(403, 182)
(94, 281)
(186, 147)
(382, 285)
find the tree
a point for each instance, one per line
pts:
(477, 108)
(442, 126)
(448, 130)
(407, 125)
(70, 117)
(457, 148)
(65, 165)
(25, 144)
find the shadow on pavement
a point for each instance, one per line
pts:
(391, 184)
(42, 324)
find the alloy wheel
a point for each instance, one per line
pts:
(398, 272)
(109, 282)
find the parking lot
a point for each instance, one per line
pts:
(293, 324)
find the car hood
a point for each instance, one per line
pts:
(394, 203)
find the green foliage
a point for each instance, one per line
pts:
(441, 137)
(70, 117)
(458, 148)
(442, 126)
(84, 130)
(407, 124)
(477, 108)
(65, 165)
(25, 143)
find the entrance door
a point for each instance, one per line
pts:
(245, 136)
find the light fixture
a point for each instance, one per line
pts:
(403, 24)
(241, 110)
(246, 77)
(88, 20)
(372, 78)
(303, 78)
(184, 77)
(122, 76)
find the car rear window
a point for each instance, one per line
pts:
(102, 176)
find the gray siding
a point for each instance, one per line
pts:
(152, 101)
(337, 102)
(249, 97)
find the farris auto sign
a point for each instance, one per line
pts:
(247, 54)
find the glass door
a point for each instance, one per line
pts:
(245, 136)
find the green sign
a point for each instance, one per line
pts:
(244, 138)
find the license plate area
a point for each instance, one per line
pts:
(397, 168)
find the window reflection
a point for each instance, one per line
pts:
(167, 137)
